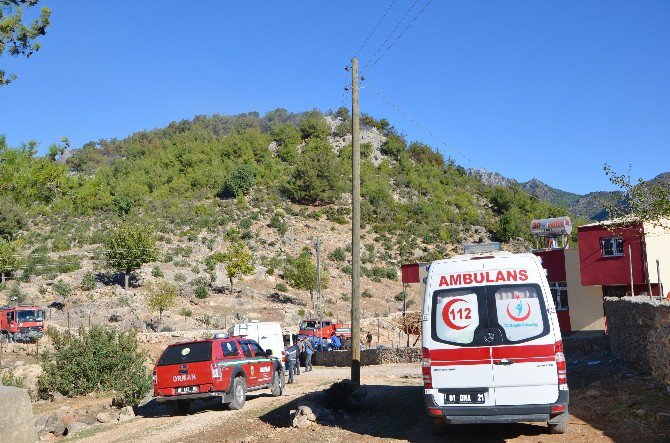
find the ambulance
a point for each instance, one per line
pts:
(492, 349)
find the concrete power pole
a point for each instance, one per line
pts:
(355, 228)
(319, 298)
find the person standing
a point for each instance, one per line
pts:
(300, 348)
(335, 340)
(290, 360)
(368, 338)
(309, 350)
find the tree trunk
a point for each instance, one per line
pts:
(3, 277)
(231, 284)
(126, 277)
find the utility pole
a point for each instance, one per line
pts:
(355, 227)
(319, 299)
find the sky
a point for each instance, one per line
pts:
(549, 90)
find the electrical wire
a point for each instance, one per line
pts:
(399, 36)
(388, 37)
(375, 28)
(424, 129)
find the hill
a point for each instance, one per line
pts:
(274, 182)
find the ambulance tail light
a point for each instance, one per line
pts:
(425, 368)
(154, 378)
(561, 366)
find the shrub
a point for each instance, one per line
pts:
(366, 294)
(10, 379)
(314, 125)
(345, 296)
(157, 272)
(62, 288)
(185, 312)
(88, 281)
(301, 312)
(98, 360)
(281, 287)
(201, 291)
(338, 255)
(179, 277)
(239, 182)
(279, 223)
(16, 295)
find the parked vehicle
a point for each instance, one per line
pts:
(323, 329)
(492, 349)
(267, 334)
(222, 368)
(21, 323)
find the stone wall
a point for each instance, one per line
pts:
(369, 357)
(639, 332)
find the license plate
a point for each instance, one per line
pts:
(187, 390)
(464, 398)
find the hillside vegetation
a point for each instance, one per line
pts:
(268, 184)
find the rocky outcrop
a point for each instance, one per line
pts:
(16, 416)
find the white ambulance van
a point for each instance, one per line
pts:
(267, 334)
(492, 350)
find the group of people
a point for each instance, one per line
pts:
(293, 354)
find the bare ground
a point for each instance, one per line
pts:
(604, 397)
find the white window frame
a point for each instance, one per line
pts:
(614, 239)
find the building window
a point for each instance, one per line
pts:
(559, 292)
(611, 246)
(614, 291)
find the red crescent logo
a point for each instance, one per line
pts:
(525, 317)
(445, 314)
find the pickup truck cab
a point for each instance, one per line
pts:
(223, 368)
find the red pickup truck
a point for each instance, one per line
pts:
(223, 368)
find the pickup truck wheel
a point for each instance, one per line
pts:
(278, 384)
(181, 407)
(239, 393)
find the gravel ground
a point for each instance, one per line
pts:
(604, 400)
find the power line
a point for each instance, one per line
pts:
(375, 28)
(400, 35)
(388, 37)
(424, 129)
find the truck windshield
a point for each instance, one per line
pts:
(310, 324)
(30, 315)
(186, 353)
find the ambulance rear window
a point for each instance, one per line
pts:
(520, 312)
(186, 353)
(456, 316)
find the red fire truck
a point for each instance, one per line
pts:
(323, 329)
(21, 323)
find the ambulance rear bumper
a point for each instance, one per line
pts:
(500, 414)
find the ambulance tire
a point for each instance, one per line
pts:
(277, 387)
(558, 428)
(181, 407)
(239, 393)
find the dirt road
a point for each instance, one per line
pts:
(603, 398)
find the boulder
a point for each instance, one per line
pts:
(303, 417)
(54, 425)
(126, 413)
(16, 415)
(104, 417)
(663, 417)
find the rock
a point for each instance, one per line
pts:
(663, 417)
(57, 396)
(115, 318)
(126, 413)
(55, 425)
(104, 417)
(16, 415)
(640, 412)
(40, 424)
(18, 363)
(303, 417)
(75, 427)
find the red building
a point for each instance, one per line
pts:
(625, 257)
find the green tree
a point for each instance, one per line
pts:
(317, 178)
(301, 273)
(9, 257)
(129, 247)
(239, 182)
(394, 146)
(162, 296)
(314, 125)
(98, 360)
(16, 37)
(12, 218)
(287, 136)
(648, 201)
(237, 260)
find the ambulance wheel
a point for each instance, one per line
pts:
(239, 393)
(181, 407)
(277, 387)
(558, 428)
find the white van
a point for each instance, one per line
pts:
(492, 350)
(267, 334)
